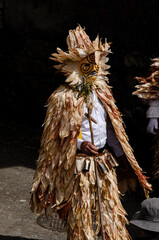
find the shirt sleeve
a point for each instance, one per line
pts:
(113, 141)
(79, 141)
(153, 110)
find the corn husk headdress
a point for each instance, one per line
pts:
(149, 86)
(79, 47)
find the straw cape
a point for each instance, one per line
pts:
(149, 86)
(56, 187)
(148, 89)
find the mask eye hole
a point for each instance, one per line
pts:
(86, 68)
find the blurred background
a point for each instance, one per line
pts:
(30, 30)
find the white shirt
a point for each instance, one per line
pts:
(102, 131)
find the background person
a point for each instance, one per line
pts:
(147, 219)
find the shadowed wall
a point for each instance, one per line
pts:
(31, 30)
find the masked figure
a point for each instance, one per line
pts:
(74, 168)
(149, 90)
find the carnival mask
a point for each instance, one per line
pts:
(88, 68)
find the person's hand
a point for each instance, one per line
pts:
(152, 126)
(88, 148)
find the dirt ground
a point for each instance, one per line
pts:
(19, 151)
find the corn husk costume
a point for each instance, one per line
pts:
(148, 89)
(59, 183)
